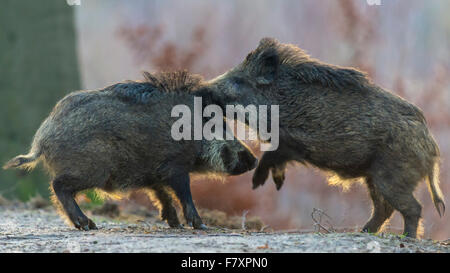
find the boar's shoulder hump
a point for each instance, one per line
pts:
(133, 92)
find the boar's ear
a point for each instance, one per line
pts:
(267, 66)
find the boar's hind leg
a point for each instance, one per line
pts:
(181, 186)
(274, 161)
(398, 191)
(382, 210)
(167, 210)
(65, 188)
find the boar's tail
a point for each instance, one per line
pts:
(28, 161)
(435, 190)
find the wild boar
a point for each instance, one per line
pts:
(119, 138)
(337, 119)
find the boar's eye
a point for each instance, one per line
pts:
(239, 81)
(234, 88)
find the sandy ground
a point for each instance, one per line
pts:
(42, 230)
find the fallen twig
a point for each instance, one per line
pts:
(317, 216)
(244, 215)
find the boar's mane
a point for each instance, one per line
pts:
(179, 81)
(154, 83)
(295, 62)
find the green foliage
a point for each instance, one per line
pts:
(94, 197)
(38, 66)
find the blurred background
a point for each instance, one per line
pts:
(48, 49)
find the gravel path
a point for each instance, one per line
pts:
(42, 230)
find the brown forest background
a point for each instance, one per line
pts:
(403, 45)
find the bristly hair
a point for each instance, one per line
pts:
(296, 62)
(143, 91)
(178, 81)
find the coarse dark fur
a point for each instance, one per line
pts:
(119, 138)
(336, 119)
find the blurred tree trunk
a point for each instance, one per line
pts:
(38, 66)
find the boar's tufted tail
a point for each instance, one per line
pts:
(435, 191)
(28, 161)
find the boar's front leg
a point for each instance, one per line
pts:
(273, 161)
(278, 175)
(182, 188)
(65, 188)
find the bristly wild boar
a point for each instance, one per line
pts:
(118, 138)
(336, 119)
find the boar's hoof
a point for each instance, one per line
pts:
(84, 223)
(197, 224)
(177, 226)
(201, 226)
(368, 230)
(173, 222)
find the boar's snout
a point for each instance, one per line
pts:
(247, 161)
